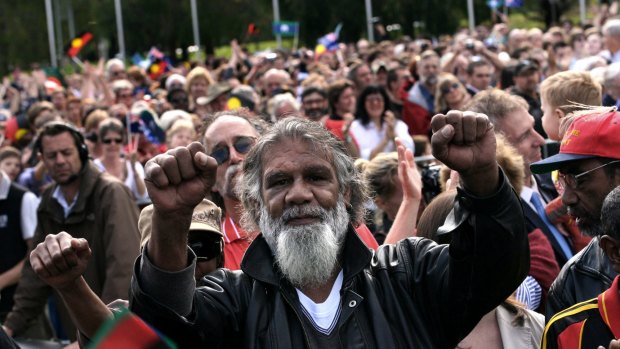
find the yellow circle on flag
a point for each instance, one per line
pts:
(77, 42)
(155, 69)
(234, 103)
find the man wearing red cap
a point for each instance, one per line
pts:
(589, 168)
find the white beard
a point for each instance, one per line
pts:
(307, 254)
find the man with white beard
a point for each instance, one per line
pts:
(308, 281)
(229, 136)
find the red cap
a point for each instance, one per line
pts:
(589, 136)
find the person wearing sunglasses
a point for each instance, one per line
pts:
(589, 168)
(451, 94)
(228, 137)
(127, 169)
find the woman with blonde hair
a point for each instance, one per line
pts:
(198, 81)
(180, 134)
(450, 94)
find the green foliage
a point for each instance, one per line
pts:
(168, 25)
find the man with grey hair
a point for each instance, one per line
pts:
(115, 70)
(611, 37)
(308, 280)
(419, 104)
(275, 81)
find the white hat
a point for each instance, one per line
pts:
(168, 118)
(175, 78)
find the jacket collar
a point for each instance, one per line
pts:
(89, 176)
(259, 262)
(609, 307)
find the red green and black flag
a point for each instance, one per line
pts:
(128, 331)
(78, 43)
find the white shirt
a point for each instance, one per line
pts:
(368, 137)
(526, 194)
(60, 198)
(323, 315)
(130, 182)
(28, 211)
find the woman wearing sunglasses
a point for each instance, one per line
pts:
(375, 126)
(126, 168)
(450, 95)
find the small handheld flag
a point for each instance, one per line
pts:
(78, 43)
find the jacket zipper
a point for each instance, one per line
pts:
(298, 317)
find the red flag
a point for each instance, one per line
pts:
(76, 45)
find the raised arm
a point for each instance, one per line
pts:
(176, 182)
(60, 261)
(411, 182)
(465, 142)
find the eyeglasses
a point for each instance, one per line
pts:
(449, 88)
(242, 145)
(206, 249)
(112, 140)
(569, 180)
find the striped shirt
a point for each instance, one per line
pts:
(529, 293)
(587, 324)
(236, 242)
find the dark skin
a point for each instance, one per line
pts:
(178, 180)
(585, 202)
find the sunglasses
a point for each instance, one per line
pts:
(242, 145)
(206, 249)
(449, 88)
(112, 140)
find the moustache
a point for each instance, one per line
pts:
(305, 211)
(232, 170)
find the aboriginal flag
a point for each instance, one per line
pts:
(128, 331)
(78, 43)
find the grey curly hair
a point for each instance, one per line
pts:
(323, 143)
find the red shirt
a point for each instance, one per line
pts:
(236, 241)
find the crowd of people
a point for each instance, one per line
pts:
(405, 193)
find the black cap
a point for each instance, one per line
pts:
(525, 66)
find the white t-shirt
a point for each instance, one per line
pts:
(368, 137)
(324, 316)
(130, 181)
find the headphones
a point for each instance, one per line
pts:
(56, 127)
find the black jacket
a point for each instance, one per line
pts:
(415, 294)
(583, 277)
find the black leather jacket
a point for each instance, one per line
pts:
(583, 277)
(415, 294)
